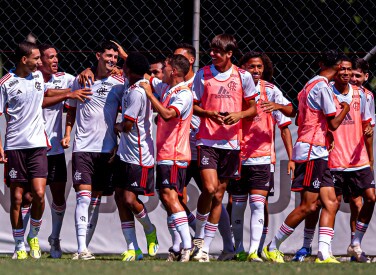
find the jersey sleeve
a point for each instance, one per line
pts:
(158, 86)
(248, 84)
(364, 109)
(133, 104)
(371, 108)
(321, 98)
(198, 86)
(280, 119)
(3, 99)
(182, 103)
(279, 97)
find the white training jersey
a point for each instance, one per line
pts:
(136, 146)
(249, 92)
(53, 115)
(21, 100)
(320, 98)
(364, 112)
(96, 116)
(274, 95)
(181, 102)
(370, 104)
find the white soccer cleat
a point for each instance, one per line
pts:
(185, 255)
(86, 255)
(356, 252)
(204, 257)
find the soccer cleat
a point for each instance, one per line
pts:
(196, 252)
(253, 257)
(272, 256)
(19, 255)
(132, 255)
(55, 250)
(301, 254)
(226, 256)
(34, 247)
(185, 255)
(241, 256)
(173, 256)
(329, 260)
(152, 242)
(356, 252)
(86, 255)
(75, 256)
(204, 257)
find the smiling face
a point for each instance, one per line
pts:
(255, 67)
(220, 58)
(49, 61)
(344, 73)
(108, 59)
(156, 70)
(32, 62)
(358, 77)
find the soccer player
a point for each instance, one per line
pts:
(134, 165)
(21, 97)
(94, 142)
(173, 152)
(258, 154)
(156, 69)
(219, 90)
(312, 178)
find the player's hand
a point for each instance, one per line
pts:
(118, 128)
(65, 142)
(232, 118)
(291, 169)
(345, 106)
(146, 86)
(117, 71)
(3, 158)
(81, 94)
(368, 131)
(113, 154)
(371, 162)
(268, 106)
(86, 77)
(215, 116)
(329, 141)
(121, 51)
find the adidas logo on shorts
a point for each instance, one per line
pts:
(165, 181)
(134, 184)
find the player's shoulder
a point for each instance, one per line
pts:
(117, 79)
(8, 79)
(269, 85)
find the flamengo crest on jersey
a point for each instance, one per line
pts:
(21, 99)
(53, 115)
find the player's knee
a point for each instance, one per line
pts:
(370, 199)
(210, 190)
(16, 199)
(38, 196)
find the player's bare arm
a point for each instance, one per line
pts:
(70, 120)
(286, 110)
(165, 113)
(55, 96)
(122, 54)
(124, 126)
(234, 117)
(3, 158)
(335, 122)
(287, 141)
(216, 116)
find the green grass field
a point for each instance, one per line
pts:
(113, 265)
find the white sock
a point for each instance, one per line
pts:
(282, 234)
(192, 221)
(200, 225)
(181, 223)
(325, 237)
(224, 228)
(239, 204)
(210, 230)
(57, 213)
(81, 218)
(143, 218)
(308, 237)
(19, 240)
(257, 204)
(360, 230)
(175, 236)
(129, 233)
(34, 227)
(25, 211)
(93, 211)
(262, 240)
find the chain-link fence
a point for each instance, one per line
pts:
(291, 32)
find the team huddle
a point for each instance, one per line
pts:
(216, 126)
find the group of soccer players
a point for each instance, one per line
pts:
(216, 126)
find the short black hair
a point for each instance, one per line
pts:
(43, 47)
(188, 47)
(268, 64)
(360, 63)
(137, 63)
(344, 57)
(107, 45)
(329, 58)
(180, 62)
(24, 48)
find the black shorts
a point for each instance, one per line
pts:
(171, 176)
(193, 172)
(134, 178)
(57, 169)
(25, 164)
(93, 168)
(311, 176)
(353, 183)
(254, 177)
(226, 162)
